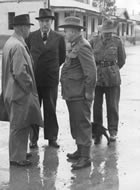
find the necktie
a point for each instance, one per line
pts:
(44, 36)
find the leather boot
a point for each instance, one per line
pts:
(84, 160)
(76, 154)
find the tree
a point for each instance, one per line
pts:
(107, 7)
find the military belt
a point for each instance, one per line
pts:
(105, 63)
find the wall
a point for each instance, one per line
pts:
(18, 8)
(31, 8)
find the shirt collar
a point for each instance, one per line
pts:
(47, 33)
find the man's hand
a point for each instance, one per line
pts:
(89, 96)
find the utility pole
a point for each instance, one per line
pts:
(46, 4)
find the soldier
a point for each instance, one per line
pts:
(110, 57)
(78, 80)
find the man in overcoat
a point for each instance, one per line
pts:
(78, 80)
(19, 91)
(48, 51)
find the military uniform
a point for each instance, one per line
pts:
(78, 77)
(110, 57)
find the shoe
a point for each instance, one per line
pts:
(33, 145)
(53, 143)
(113, 138)
(22, 163)
(81, 163)
(28, 155)
(74, 156)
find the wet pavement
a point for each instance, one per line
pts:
(114, 167)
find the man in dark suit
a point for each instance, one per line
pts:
(48, 51)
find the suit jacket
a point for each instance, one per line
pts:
(47, 58)
(18, 84)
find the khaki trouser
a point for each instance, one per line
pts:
(18, 142)
(112, 97)
(79, 114)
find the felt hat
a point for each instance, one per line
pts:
(108, 26)
(72, 22)
(45, 13)
(23, 19)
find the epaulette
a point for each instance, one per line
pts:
(95, 38)
(117, 38)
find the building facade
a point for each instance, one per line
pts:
(61, 8)
(90, 16)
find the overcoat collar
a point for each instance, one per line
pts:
(20, 38)
(76, 40)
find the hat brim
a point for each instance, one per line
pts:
(71, 26)
(106, 30)
(20, 24)
(40, 18)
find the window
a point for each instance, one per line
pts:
(10, 20)
(127, 29)
(93, 25)
(118, 30)
(99, 20)
(84, 1)
(132, 30)
(123, 29)
(56, 20)
(85, 22)
(71, 13)
(67, 14)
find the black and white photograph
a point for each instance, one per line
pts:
(69, 94)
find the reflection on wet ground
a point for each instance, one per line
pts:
(105, 172)
(51, 171)
(113, 166)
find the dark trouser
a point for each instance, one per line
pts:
(34, 133)
(112, 96)
(79, 115)
(47, 95)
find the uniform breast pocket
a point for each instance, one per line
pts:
(111, 52)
